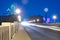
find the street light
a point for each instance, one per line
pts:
(46, 10)
(19, 18)
(54, 17)
(38, 20)
(18, 11)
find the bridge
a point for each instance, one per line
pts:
(12, 31)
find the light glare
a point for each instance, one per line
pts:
(19, 18)
(25, 23)
(54, 17)
(18, 11)
(38, 20)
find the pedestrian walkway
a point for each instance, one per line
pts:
(21, 35)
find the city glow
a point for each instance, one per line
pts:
(18, 11)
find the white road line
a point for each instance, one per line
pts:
(49, 27)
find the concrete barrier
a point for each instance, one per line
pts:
(5, 33)
(0, 33)
(7, 30)
(16, 24)
(12, 30)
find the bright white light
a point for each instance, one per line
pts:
(46, 9)
(38, 20)
(25, 23)
(18, 11)
(54, 16)
(19, 18)
(41, 26)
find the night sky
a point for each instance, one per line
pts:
(33, 7)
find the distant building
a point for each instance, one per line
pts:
(36, 19)
(9, 18)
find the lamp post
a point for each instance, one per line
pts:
(18, 11)
(46, 10)
(54, 18)
(19, 18)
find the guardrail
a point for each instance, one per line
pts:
(8, 30)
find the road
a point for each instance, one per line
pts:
(37, 33)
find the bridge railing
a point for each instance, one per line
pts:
(8, 30)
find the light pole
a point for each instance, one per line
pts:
(46, 10)
(18, 11)
(19, 18)
(54, 18)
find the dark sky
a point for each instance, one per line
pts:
(33, 7)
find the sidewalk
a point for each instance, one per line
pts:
(21, 35)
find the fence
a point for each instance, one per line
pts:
(7, 30)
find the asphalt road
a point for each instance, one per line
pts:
(37, 33)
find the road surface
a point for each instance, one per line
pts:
(37, 33)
